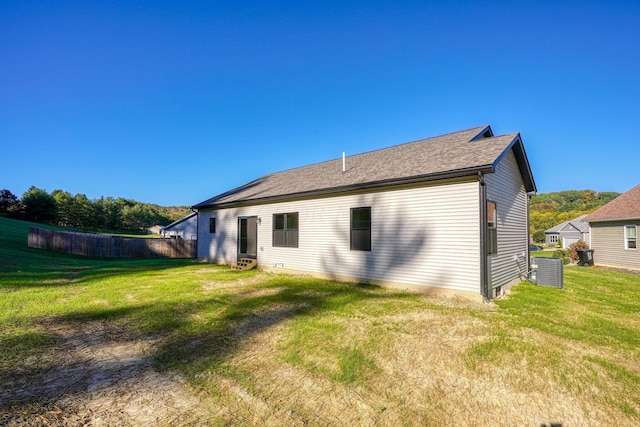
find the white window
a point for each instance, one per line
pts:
(630, 236)
(553, 238)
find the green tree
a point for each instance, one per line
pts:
(64, 201)
(110, 213)
(39, 206)
(137, 217)
(83, 211)
(9, 203)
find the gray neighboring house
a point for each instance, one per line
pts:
(614, 231)
(568, 232)
(442, 215)
(185, 228)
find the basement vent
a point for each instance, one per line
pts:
(547, 272)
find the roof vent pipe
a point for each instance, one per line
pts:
(344, 162)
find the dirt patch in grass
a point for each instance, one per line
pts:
(97, 374)
(377, 359)
(423, 378)
(216, 285)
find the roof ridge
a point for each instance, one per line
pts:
(387, 148)
(442, 156)
(424, 139)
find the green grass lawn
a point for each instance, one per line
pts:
(541, 253)
(261, 348)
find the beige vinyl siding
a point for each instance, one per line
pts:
(221, 246)
(607, 242)
(426, 236)
(506, 188)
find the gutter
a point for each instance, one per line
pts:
(613, 219)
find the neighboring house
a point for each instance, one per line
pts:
(614, 231)
(155, 229)
(184, 228)
(568, 232)
(447, 214)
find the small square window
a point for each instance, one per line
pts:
(285, 230)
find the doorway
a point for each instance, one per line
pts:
(247, 237)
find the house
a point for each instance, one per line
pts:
(447, 214)
(568, 232)
(155, 229)
(614, 231)
(184, 228)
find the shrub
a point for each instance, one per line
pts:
(562, 253)
(539, 236)
(575, 247)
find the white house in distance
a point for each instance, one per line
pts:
(447, 214)
(184, 228)
(568, 232)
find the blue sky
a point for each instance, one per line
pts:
(174, 102)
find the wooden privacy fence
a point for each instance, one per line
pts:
(103, 246)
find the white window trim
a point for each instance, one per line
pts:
(626, 238)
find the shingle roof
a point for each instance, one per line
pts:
(625, 206)
(578, 223)
(456, 154)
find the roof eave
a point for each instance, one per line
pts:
(458, 173)
(632, 218)
(174, 223)
(523, 163)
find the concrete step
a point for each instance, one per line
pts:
(245, 264)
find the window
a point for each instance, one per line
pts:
(285, 230)
(492, 228)
(553, 238)
(630, 236)
(212, 225)
(361, 229)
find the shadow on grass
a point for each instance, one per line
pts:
(249, 313)
(51, 273)
(190, 336)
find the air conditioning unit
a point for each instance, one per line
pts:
(547, 272)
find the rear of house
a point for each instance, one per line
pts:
(442, 215)
(614, 231)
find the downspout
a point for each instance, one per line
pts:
(484, 267)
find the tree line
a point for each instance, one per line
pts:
(550, 209)
(106, 213)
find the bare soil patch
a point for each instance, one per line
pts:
(99, 375)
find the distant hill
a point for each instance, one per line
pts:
(550, 209)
